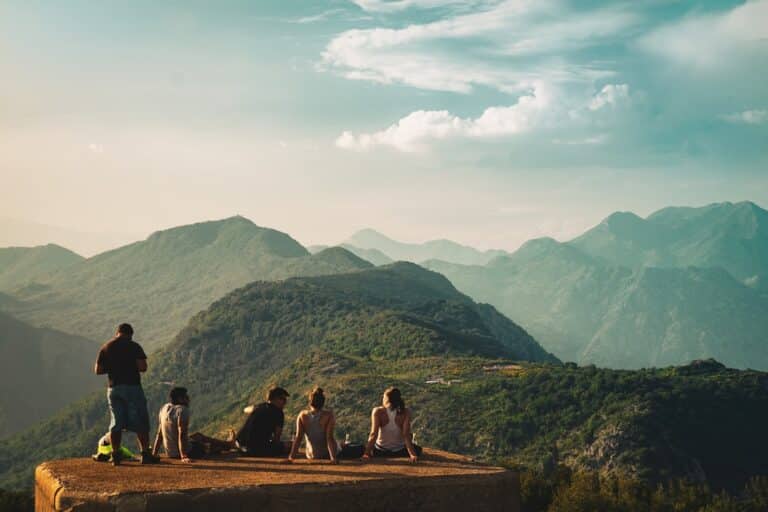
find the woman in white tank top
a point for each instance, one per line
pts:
(391, 429)
(316, 426)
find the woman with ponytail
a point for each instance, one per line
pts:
(316, 426)
(391, 429)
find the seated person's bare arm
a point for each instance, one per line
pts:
(375, 425)
(330, 439)
(183, 427)
(408, 437)
(297, 439)
(158, 440)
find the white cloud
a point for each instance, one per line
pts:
(96, 148)
(544, 108)
(318, 17)
(330, 14)
(409, 133)
(588, 141)
(399, 5)
(502, 34)
(711, 41)
(748, 117)
(610, 96)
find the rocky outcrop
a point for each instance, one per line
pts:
(440, 482)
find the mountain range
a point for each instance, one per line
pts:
(587, 311)
(733, 236)
(371, 240)
(158, 283)
(682, 284)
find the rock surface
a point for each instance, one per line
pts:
(441, 481)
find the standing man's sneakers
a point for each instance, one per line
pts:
(148, 458)
(116, 458)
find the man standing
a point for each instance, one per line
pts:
(122, 359)
(260, 435)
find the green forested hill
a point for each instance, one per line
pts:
(158, 283)
(384, 315)
(41, 371)
(20, 265)
(584, 309)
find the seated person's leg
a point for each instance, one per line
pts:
(211, 445)
(378, 452)
(196, 449)
(351, 451)
(268, 450)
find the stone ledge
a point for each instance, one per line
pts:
(441, 481)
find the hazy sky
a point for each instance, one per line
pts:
(487, 121)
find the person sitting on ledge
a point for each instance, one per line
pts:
(391, 429)
(316, 425)
(173, 432)
(262, 430)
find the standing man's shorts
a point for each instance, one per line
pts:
(127, 409)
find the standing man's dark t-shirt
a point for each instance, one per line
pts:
(258, 431)
(118, 356)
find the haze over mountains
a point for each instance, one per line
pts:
(41, 370)
(15, 232)
(375, 256)
(447, 250)
(586, 311)
(21, 265)
(683, 284)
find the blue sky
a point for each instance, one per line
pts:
(488, 121)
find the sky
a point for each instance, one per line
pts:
(488, 122)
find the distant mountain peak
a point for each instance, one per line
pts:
(339, 254)
(22, 265)
(370, 233)
(538, 248)
(231, 231)
(544, 241)
(622, 222)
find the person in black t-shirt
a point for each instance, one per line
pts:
(122, 359)
(260, 435)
